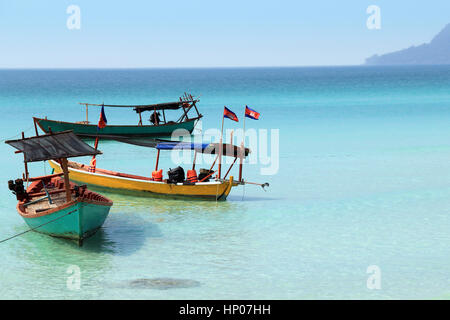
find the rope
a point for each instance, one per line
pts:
(17, 135)
(21, 233)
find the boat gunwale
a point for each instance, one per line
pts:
(107, 203)
(81, 199)
(215, 182)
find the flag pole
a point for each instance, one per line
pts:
(221, 147)
(242, 151)
(96, 144)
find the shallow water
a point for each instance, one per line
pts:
(364, 180)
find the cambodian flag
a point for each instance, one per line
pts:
(252, 114)
(102, 121)
(227, 113)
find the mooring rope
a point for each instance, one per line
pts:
(21, 233)
(16, 135)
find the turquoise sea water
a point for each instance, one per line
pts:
(364, 179)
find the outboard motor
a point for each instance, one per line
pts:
(176, 175)
(76, 189)
(18, 189)
(11, 185)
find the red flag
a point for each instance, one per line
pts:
(102, 121)
(252, 114)
(227, 113)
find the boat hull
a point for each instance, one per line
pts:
(207, 190)
(77, 221)
(91, 130)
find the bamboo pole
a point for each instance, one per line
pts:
(157, 160)
(221, 147)
(214, 162)
(242, 152)
(164, 116)
(231, 166)
(195, 156)
(155, 117)
(66, 179)
(35, 127)
(96, 144)
(195, 106)
(185, 113)
(25, 163)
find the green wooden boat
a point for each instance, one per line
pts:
(159, 125)
(76, 220)
(52, 204)
(91, 131)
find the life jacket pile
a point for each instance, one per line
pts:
(157, 175)
(192, 176)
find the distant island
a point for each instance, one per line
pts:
(435, 52)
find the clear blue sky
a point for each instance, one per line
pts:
(200, 33)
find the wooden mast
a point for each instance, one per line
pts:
(157, 160)
(221, 148)
(242, 152)
(65, 170)
(25, 163)
(193, 163)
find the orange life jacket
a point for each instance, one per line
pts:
(192, 176)
(92, 165)
(157, 175)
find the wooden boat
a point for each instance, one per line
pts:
(209, 187)
(52, 204)
(127, 182)
(158, 126)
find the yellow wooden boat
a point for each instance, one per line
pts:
(216, 189)
(205, 186)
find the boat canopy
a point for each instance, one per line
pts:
(229, 150)
(182, 145)
(57, 145)
(147, 107)
(208, 148)
(163, 106)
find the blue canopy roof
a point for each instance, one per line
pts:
(182, 145)
(209, 148)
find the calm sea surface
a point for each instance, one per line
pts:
(363, 179)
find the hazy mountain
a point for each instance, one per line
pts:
(435, 52)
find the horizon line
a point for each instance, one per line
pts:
(176, 67)
(212, 67)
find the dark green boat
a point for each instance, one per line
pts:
(158, 126)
